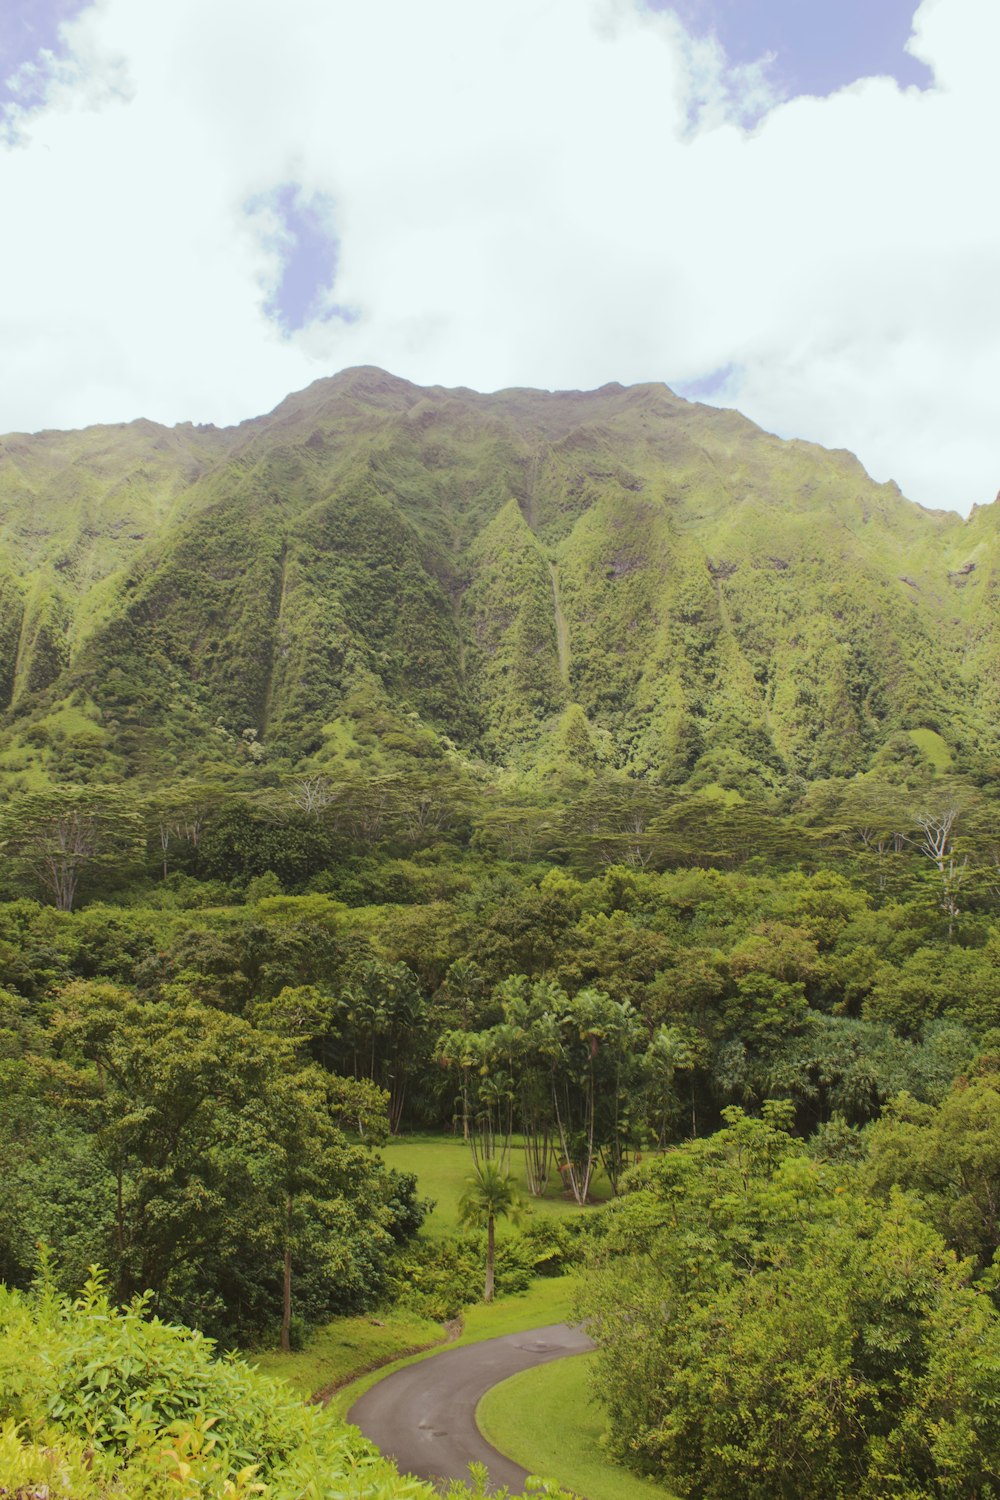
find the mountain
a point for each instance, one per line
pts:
(376, 570)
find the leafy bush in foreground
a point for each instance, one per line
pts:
(98, 1403)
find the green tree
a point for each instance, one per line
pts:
(591, 1045)
(67, 833)
(227, 1162)
(951, 1156)
(564, 1067)
(766, 1330)
(177, 814)
(381, 1017)
(489, 1196)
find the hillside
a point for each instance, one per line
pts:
(376, 571)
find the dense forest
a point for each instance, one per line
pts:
(587, 771)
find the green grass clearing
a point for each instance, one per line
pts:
(443, 1165)
(931, 744)
(548, 1420)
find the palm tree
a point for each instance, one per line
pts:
(490, 1195)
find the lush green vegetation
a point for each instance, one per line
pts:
(102, 1403)
(549, 1420)
(771, 1323)
(412, 786)
(196, 1096)
(377, 577)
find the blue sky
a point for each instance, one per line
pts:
(27, 28)
(813, 46)
(781, 205)
(308, 247)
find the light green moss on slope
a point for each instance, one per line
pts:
(11, 621)
(508, 613)
(722, 606)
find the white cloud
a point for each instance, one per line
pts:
(520, 200)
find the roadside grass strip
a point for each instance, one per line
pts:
(348, 1347)
(548, 1420)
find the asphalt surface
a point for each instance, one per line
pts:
(424, 1416)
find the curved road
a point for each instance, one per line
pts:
(424, 1416)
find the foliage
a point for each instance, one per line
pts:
(62, 836)
(112, 1401)
(439, 1278)
(97, 1402)
(603, 579)
(950, 1154)
(214, 1159)
(767, 1330)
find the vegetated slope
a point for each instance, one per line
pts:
(376, 568)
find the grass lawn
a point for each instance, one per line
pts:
(443, 1165)
(548, 1420)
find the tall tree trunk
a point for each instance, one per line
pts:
(570, 1165)
(490, 1257)
(120, 1228)
(286, 1290)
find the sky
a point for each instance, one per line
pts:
(779, 205)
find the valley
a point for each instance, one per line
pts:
(476, 863)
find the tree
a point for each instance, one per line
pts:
(296, 1166)
(312, 795)
(490, 1195)
(671, 1050)
(953, 837)
(484, 1061)
(178, 814)
(67, 832)
(867, 817)
(591, 1046)
(381, 1016)
(564, 1067)
(936, 842)
(768, 1332)
(516, 832)
(609, 825)
(227, 1164)
(951, 1156)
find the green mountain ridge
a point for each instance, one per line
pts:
(376, 570)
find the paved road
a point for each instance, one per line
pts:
(424, 1416)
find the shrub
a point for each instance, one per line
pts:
(438, 1279)
(96, 1401)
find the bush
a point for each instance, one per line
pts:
(555, 1245)
(97, 1402)
(93, 1398)
(765, 1330)
(438, 1279)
